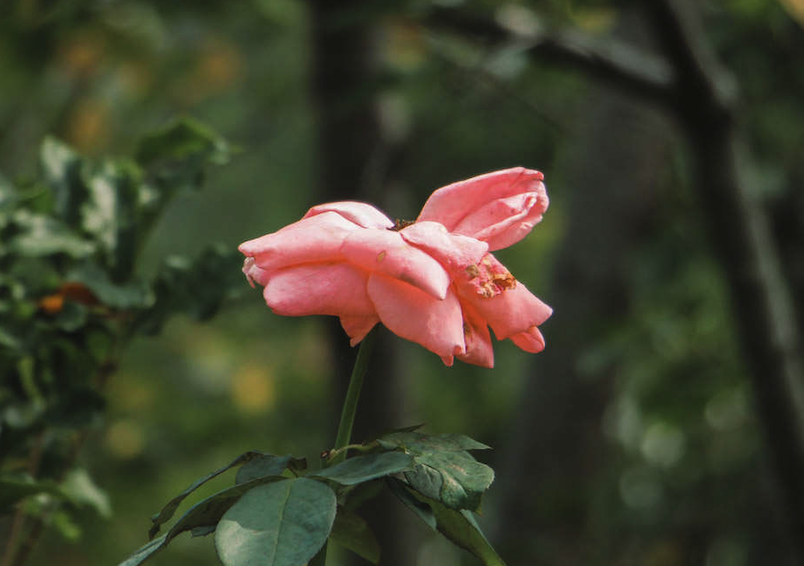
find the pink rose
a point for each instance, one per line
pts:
(433, 282)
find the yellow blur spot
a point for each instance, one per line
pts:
(88, 125)
(796, 9)
(81, 55)
(253, 389)
(125, 439)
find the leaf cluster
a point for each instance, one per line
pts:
(280, 513)
(70, 295)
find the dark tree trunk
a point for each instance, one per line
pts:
(610, 197)
(350, 146)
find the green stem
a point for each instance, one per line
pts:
(348, 412)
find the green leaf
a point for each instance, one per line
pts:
(421, 510)
(78, 485)
(423, 443)
(444, 470)
(201, 519)
(170, 508)
(14, 489)
(183, 139)
(61, 169)
(177, 155)
(196, 288)
(145, 552)
(41, 235)
(131, 295)
(352, 532)
(267, 465)
(279, 524)
(365, 468)
(110, 212)
(458, 526)
(454, 478)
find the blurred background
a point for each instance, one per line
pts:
(651, 430)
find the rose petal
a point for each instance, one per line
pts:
(453, 251)
(384, 251)
(504, 221)
(319, 288)
(360, 213)
(472, 201)
(417, 316)
(479, 350)
(253, 273)
(513, 311)
(531, 340)
(313, 239)
(357, 327)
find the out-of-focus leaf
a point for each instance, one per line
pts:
(444, 470)
(71, 317)
(195, 288)
(458, 526)
(110, 211)
(66, 525)
(13, 489)
(61, 169)
(366, 468)
(279, 524)
(178, 154)
(75, 406)
(7, 340)
(41, 235)
(170, 508)
(78, 485)
(129, 295)
(183, 139)
(352, 532)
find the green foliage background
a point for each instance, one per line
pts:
(684, 446)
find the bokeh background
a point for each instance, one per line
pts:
(638, 437)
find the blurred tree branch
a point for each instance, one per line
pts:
(689, 83)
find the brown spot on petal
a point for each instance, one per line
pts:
(503, 281)
(472, 271)
(380, 257)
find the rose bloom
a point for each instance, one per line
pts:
(433, 281)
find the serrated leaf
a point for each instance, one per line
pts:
(423, 443)
(201, 519)
(366, 468)
(454, 478)
(444, 470)
(261, 466)
(170, 508)
(279, 524)
(353, 533)
(458, 526)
